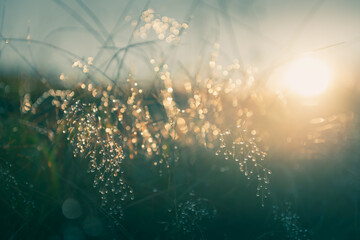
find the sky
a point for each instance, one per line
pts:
(258, 32)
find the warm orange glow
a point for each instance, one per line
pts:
(307, 76)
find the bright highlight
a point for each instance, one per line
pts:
(307, 76)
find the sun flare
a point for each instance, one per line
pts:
(307, 76)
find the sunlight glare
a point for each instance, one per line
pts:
(307, 76)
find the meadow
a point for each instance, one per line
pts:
(133, 142)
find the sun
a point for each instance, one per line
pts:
(307, 76)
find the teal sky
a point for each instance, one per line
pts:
(258, 32)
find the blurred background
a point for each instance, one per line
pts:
(257, 32)
(312, 141)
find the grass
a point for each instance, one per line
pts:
(206, 158)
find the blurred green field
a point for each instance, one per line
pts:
(323, 190)
(158, 133)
